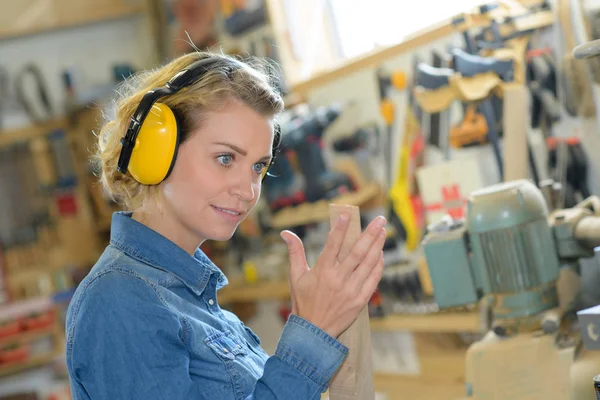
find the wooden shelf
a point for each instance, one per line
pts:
(12, 136)
(61, 14)
(446, 322)
(34, 362)
(442, 322)
(254, 292)
(26, 337)
(310, 213)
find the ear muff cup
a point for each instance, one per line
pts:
(156, 146)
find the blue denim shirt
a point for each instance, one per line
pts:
(146, 324)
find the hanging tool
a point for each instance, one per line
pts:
(568, 162)
(4, 83)
(304, 135)
(400, 208)
(470, 66)
(65, 167)
(577, 90)
(386, 82)
(461, 24)
(41, 94)
(438, 123)
(472, 129)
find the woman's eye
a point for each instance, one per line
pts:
(225, 159)
(259, 167)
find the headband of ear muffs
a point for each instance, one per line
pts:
(154, 132)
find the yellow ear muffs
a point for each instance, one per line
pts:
(156, 146)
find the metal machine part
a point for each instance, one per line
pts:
(510, 250)
(587, 50)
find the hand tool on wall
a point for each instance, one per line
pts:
(472, 129)
(462, 24)
(541, 80)
(386, 82)
(400, 208)
(439, 123)
(577, 90)
(4, 84)
(472, 66)
(568, 164)
(41, 95)
(65, 168)
(283, 186)
(304, 135)
(361, 145)
(354, 379)
(432, 91)
(523, 268)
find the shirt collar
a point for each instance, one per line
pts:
(149, 246)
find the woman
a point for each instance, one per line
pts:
(145, 323)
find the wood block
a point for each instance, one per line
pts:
(516, 126)
(354, 379)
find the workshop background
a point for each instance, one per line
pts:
(406, 110)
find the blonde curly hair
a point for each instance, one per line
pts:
(251, 84)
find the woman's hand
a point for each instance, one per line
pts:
(332, 294)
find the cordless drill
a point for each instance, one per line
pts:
(304, 135)
(283, 186)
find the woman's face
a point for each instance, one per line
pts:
(216, 179)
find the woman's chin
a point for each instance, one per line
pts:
(222, 236)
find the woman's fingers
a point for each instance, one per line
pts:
(372, 281)
(335, 239)
(362, 246)
(370, 260)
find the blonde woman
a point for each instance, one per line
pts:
(185, 155)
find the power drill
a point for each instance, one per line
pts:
(304, 134)
(283, 186)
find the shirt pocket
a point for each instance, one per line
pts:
(225, 345)
(255, 340)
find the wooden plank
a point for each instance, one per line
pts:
(354, 378)
(30, 17)
(516, 121)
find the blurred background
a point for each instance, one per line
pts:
(414, 110)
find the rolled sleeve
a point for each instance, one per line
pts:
(310, 350)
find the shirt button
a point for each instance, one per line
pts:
(211, 302)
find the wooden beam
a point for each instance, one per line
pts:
(24, 18)
(374, 59)
(354, 379)
(516, 129)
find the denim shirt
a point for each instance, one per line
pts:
(145, 323)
